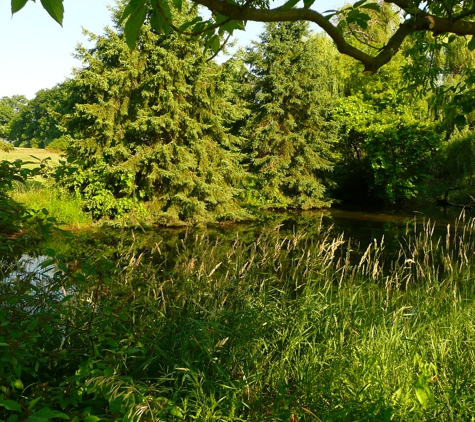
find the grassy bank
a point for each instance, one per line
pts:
(27, 154)
(285, 328)
(66, 208)
(38, 194)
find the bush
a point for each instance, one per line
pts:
(460, 154)
(5, 146)
(59, 144)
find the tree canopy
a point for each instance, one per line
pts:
(289, 132)
(150, 125)
(10, 107)
(439, 18)
(164, 130)
(38, 122)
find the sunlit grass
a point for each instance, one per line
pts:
(28, 154)
(64, 207)
(284, 328)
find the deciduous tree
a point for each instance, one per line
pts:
(9, 108)
(435, 17)
(40, 122)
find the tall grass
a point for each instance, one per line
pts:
(284, 328)
(64, 207)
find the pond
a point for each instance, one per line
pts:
(257, 321)
(356, 228)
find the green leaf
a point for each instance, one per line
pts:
(17, 5)
(47, 263)
(219, 18)
(372, 6)
(33, 403)
(132, 351)
(359, 3)
(186, 25)
(214, 43)
(18, 384)
(178, 4)
(162, 16)
(230, 26)
(4, 344)
(91, 419)
(359, 18)
(471, 43)
(55, 9)
(199, 27)
(46, 413)
(125, 14)
(159, 24)
(289, 4)
(165, 9)
(422, 396)
(176, 411)
(65, 233)
(135, 22)
(10, 405)
(115, 405)
(308, 3)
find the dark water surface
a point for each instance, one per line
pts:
(363, 226)
(359, 227)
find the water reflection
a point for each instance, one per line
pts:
(358, 229)
(26, 265)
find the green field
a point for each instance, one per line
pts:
(26, 154)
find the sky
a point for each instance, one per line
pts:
(37, 53)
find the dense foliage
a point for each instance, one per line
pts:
(20, 227)
(387, 151)
(39, 124)
(288, 326)
(204, 327)
(151, 126)
(416, 20)
(10, 107)
(292, 86)
(166, 134)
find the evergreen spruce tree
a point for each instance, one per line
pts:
(292, 86)
(152, 127)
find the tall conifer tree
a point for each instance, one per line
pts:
(152, 126)
(289, 131)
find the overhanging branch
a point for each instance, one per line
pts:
(419, 20)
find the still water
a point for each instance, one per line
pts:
(359, 228)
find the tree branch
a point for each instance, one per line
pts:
(419, 20)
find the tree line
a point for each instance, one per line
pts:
(287, 123)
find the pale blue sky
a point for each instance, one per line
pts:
(36, 52)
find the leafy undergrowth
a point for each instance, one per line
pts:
(286, 328)
(63, 206)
